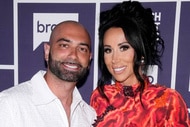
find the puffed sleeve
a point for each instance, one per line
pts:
(177, 113)
(93, 99)
(97, 102)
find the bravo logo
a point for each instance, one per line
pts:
(43, 24)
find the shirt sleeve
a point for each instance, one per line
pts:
(5, 113)
(177, 115)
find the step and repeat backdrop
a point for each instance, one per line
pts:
(26, 24)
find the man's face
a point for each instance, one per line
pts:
(69, 54)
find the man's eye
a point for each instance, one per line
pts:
(63, 45)
(107, 50)
(124, 47)
(82, 49)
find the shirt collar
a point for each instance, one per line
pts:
(41, 92)
(43, 95)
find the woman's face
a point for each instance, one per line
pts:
(119, 56)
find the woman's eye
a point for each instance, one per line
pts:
(124, 47)
(107, 50)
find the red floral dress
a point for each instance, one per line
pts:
(160, 107)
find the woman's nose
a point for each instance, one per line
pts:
(115, 57)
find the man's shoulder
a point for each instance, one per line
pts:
(17, 91)
(87, 108)
(22, 89)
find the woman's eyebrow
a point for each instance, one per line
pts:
(123, 43)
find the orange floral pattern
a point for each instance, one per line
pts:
(162, 107)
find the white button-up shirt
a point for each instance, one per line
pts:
(32, 104)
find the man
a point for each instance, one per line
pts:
(51, 99)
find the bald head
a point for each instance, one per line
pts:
(70, 28)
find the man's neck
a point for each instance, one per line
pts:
(63, 90)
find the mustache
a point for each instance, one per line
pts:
(71, 62)
(66, 61)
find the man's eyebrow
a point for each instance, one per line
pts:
(67, 40)
(85, 44)
(64, 39)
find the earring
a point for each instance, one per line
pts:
(142, 60)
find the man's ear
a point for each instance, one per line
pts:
(90, 56)
(90, 61)
(46, 50)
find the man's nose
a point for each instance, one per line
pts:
(73, 53)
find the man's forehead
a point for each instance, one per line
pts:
(71, 31)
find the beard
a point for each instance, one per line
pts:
(64, 74)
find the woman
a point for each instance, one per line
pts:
(129, 43)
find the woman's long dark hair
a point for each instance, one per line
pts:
(142, 34)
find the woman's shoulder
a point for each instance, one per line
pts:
(107, 87)
(161, 90)
(159, 87)
(162, 96)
